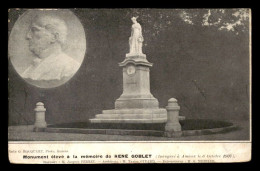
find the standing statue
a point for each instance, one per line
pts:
(136, 39)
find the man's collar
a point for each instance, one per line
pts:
(48, 53)
(51, 51)
(37, 61)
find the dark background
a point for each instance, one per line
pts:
(205, 69)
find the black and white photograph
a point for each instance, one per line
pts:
(129, 75)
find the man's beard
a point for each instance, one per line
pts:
(36, 47)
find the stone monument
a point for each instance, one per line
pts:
(173, 126)
(39, 116)
(136, 104)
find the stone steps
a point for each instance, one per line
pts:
(130, 116)
(135, 111)
(153, 120)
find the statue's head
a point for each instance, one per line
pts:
(45, 32)
(134, 19)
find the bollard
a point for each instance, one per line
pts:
(39, 116)
(173, 126)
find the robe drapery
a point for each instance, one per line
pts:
(136, 39)
(55, 67)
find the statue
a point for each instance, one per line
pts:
(136, 104)
(136, 39)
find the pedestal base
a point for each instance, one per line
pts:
(136, 104)
(131, 116)
(40, 124)
(173, 134)
(173, 127)
(129, 103)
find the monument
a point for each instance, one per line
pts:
(39, 117)
(136, 104)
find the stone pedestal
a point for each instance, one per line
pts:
(40, 116)
(136, 104)
(173, 126)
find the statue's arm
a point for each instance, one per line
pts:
(141, 33)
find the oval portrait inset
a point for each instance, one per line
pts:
(47, 47)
